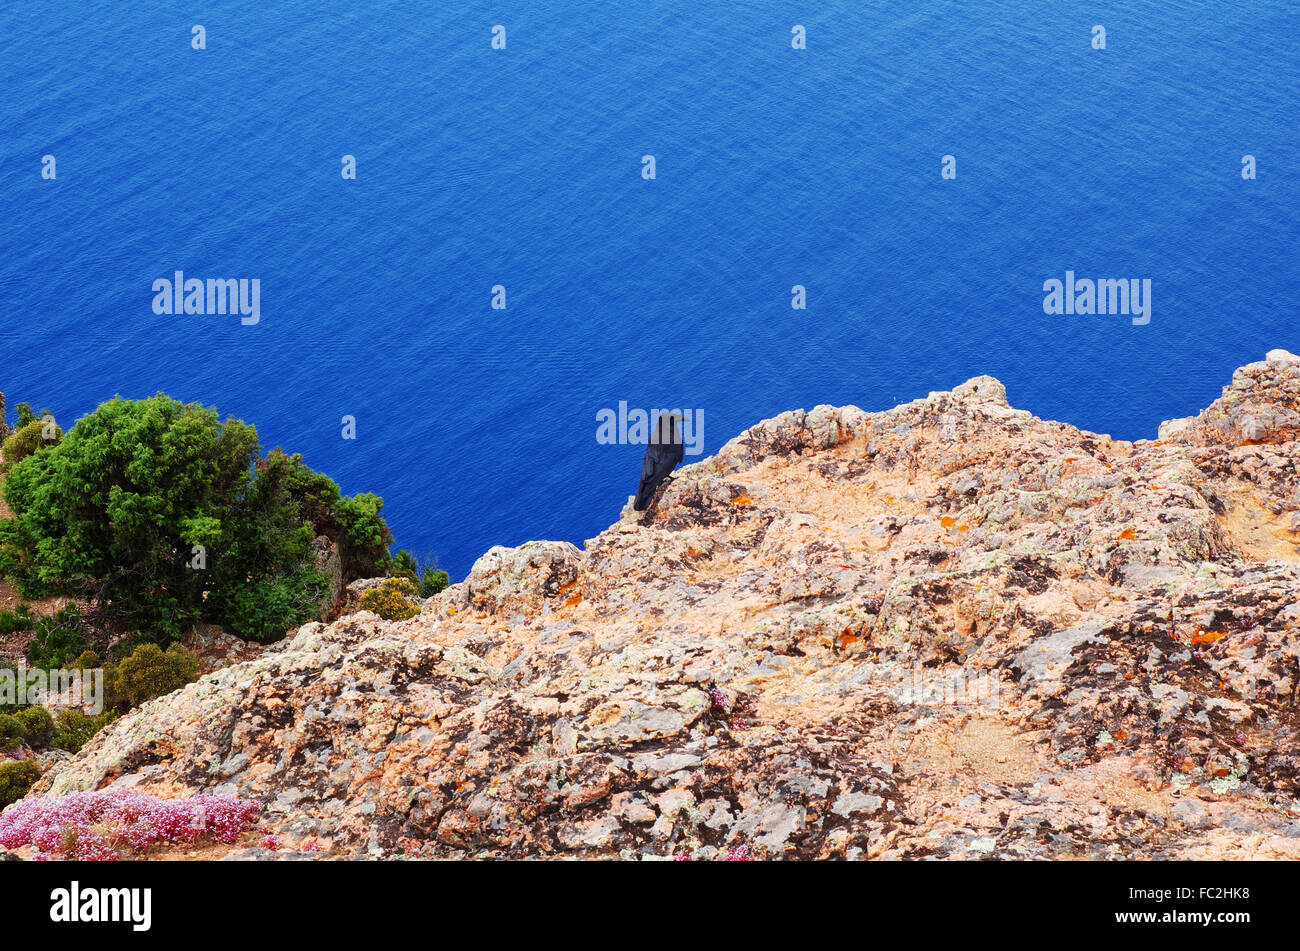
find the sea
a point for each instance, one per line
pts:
(500, 155)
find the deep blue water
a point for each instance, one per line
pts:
(522, 168)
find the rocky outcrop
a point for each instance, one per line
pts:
(950, 629)
(518, 581)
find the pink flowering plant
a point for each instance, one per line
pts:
(97, 826)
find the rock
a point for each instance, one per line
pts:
(847, 805)
(1190, 813)
(215, 648)
(1047, 658)
(1257, 406)
(1176, 428)
(351, 601)
(948, 629)
(661, 765)
(519, 578)
(982, 389)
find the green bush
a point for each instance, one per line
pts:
(364, 535)
(403, 586)
(33, 726)
(430, 579)
(433, 581)
(86, 660)
(29, 439)
(57, 640)
(263, 609)
(404, 565)
(353, 522)
(74, 729)
(391, 600)
(38, 723)
(12, 732)
(16, 780)
(149, 673)
(165, 515)
(19, 619)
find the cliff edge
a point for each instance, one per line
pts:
(949, 629)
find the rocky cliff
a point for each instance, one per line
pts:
(950, 629)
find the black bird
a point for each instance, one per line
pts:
(662, 454)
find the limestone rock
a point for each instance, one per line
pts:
(949, 629)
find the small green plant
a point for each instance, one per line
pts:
(428, 576)
(19, 619)
(433, 581)
(58, 639)
(16, 779)
(12, 732)
(38, 724)
(150, 672)
(86, 660)
(405, 566)
(392, 600)
(28, 439)
(74, 729)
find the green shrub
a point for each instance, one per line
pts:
(86, 660)
(121, 507)
(430, 579)
(150, 672)
(403, 586)
(263, 609)
(391, 600)
(19, 619)
(57, 640)
(74, 729)
(404, 565)
(38, 723)
(29, 439)
(364, 535)
(12, 732)
(16, 780)
(433, 581)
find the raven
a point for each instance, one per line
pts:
(662, 454)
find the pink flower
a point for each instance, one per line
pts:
(94, 826)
